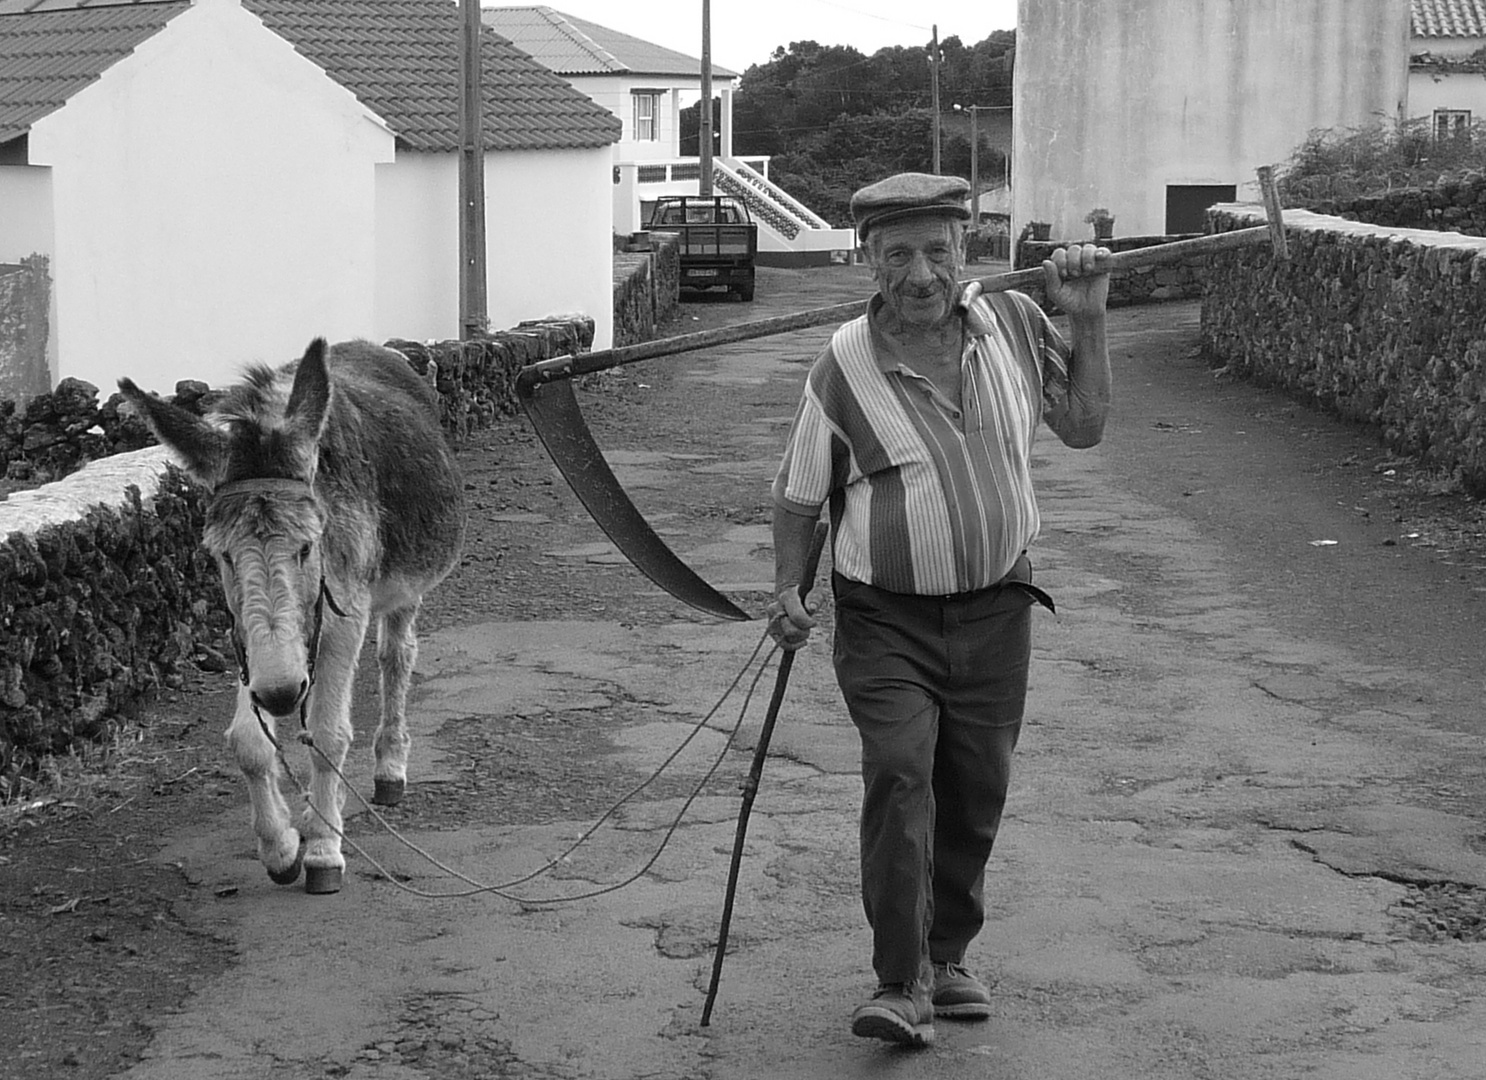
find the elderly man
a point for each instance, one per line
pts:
(916, 429)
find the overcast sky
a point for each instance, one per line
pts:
(745, 32)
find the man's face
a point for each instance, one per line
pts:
(916, 263)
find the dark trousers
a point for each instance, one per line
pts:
(936, 688)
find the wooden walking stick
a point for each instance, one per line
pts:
(756, 772)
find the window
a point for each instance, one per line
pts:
(1186, 205)
(646, 106)
(1452, 123)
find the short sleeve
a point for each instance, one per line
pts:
(804, 481)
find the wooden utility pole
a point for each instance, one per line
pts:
(474, 311)
(934, 80)
(704, 115)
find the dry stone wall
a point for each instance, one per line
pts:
(106, 594)
(1454, 206)
(1382, 325)
(647, 287)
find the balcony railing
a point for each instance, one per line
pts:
(669, 172)
(808, 217)
(784, 223)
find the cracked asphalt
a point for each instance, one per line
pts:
(1245, 836)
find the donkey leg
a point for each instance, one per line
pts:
(397, 654)
(329, 723)
(278, 840)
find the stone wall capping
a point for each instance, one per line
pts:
(1245, 215)
(101, 483)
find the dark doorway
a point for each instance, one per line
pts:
(1187, 203)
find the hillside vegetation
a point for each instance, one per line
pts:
(833, 119)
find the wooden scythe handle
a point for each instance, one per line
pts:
(565, 367)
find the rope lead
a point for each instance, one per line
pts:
(477, 887)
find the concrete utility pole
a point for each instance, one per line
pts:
(974, 167)
(934, 80)
(704, 132)
(474, 310)
(973, 110)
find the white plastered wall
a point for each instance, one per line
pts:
(213, 200)
(548, 227)
(1464, 90)
(616, 93)
(1113, 102)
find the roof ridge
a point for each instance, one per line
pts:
(561, 23)
(578, 46)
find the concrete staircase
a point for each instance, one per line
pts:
(790, 233)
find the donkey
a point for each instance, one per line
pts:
(335, 500)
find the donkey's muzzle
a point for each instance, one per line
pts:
(280, 700)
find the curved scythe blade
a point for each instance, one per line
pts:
(554, 412)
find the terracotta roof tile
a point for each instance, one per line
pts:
(50, 50)
(399, 57)
(1448, 18)
(573, 46)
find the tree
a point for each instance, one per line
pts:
(691, 128)
(832, 119)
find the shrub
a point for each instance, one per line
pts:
(1337, 165)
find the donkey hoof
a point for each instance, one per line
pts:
(388, 792)
(323, 880)
(289, 874)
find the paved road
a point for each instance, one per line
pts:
(1247, 817)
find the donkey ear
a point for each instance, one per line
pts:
(309, 400)
(201, 447)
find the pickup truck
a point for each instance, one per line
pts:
(719, 241)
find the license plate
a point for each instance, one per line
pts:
(704, 273)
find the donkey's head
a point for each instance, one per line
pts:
(258, 453)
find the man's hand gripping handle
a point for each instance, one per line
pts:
(790, 622)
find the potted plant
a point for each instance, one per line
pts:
(1103, 222)
(1041, 230)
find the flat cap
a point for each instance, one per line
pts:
(909, 195)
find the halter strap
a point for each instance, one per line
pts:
(266, 485)
(280, 485)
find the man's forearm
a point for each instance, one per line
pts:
(1090, 382)
(792, 536)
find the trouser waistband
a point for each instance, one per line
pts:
(1018, 578)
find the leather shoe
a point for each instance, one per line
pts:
(899, 1013)
(959, 995)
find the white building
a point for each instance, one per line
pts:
(215, 182)
(1447, 82)
(646, 86)
(1156, 109)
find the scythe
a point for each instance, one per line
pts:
(545, 392)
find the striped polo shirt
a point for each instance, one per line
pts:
(926, 496)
